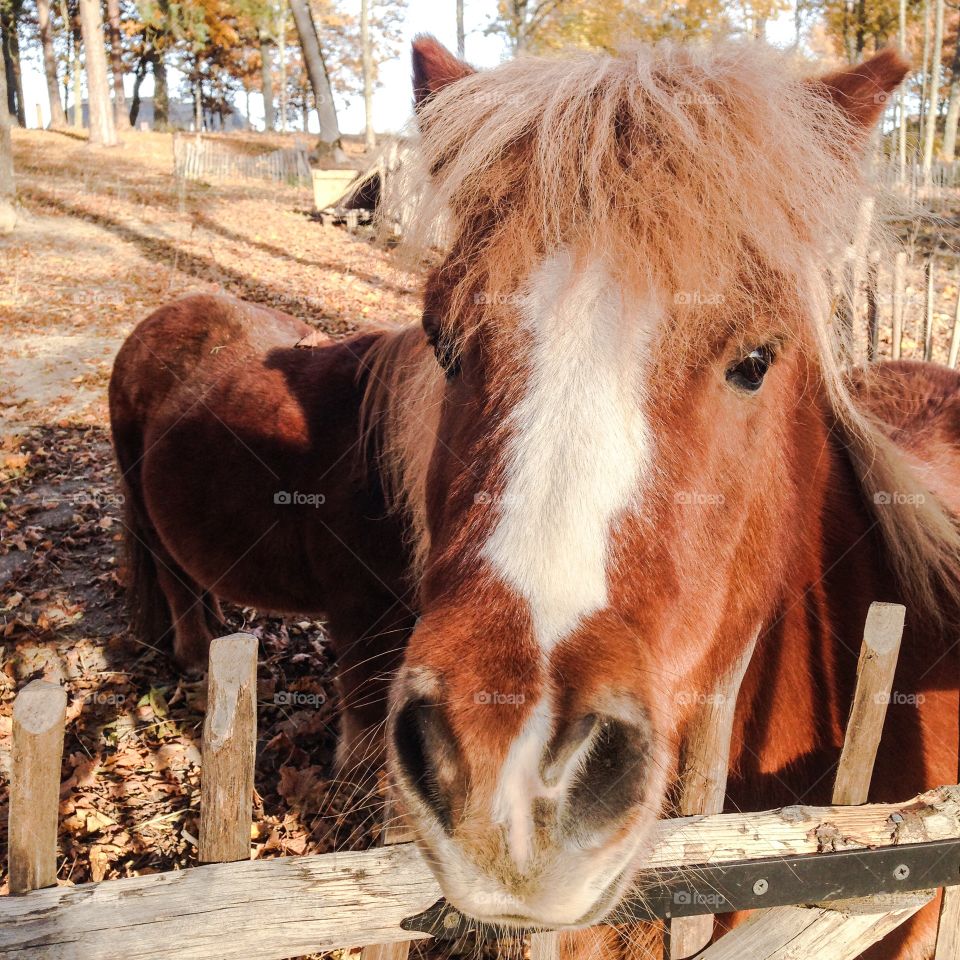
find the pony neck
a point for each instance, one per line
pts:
(795, 698)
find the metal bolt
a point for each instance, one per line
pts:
(450, 919)
(901, 872)
(761, 887)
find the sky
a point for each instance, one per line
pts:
(392, 99)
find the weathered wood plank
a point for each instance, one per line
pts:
(296, 905)
(38, 721)
(948, 929)
(899, 302)
(954, 351)
(798, 933)
(396, 830)
(875, 669)
(229, 748)
(706, 762)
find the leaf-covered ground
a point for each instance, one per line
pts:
(104, 238)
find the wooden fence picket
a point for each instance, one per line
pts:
(395, 830)
(229, 748)
(706, 762)
(195, 158)
(845, 930)
(875, 669)
(38, 723)
(359, 898)
(899, 296)
(955, 336)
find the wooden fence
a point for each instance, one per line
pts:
(199, 158)
(258, 910)
(938, 193)
(901, 308)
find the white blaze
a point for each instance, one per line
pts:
(579, 446)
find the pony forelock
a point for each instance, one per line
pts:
(691, 168)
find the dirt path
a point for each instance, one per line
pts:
(104, 239)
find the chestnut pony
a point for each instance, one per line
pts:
(621, 446)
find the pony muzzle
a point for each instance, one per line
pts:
(545, 836)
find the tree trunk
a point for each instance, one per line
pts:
(9, 78)
(266, 56)
(305, 100)
(116, 63)
(9, 14)
(198, 104)
(57, 118)
(138, 76)
(77, 80)
(930, 131)
(461, 36)
(8, 215)
(860, 36)
(102, 131)
(161, 99)
(329, 145)
(282, 55)
(949, 150)
(902, 96)
(924, 72)
(370, 136)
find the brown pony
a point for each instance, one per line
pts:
(648, 451)
(621, 446)
(246, 479)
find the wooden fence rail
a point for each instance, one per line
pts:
(295, 905)
(279, 908)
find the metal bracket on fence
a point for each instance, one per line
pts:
(747, 885)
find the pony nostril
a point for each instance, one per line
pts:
(566, 749)
(428, 756)
(611, 773)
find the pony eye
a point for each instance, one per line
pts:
(447, 354)
(748, 373)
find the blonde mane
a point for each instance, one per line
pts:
(399, 419)
(690, 166)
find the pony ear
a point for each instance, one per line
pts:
(862, 92)
(434, 67)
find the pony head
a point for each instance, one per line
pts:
(612, 448)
